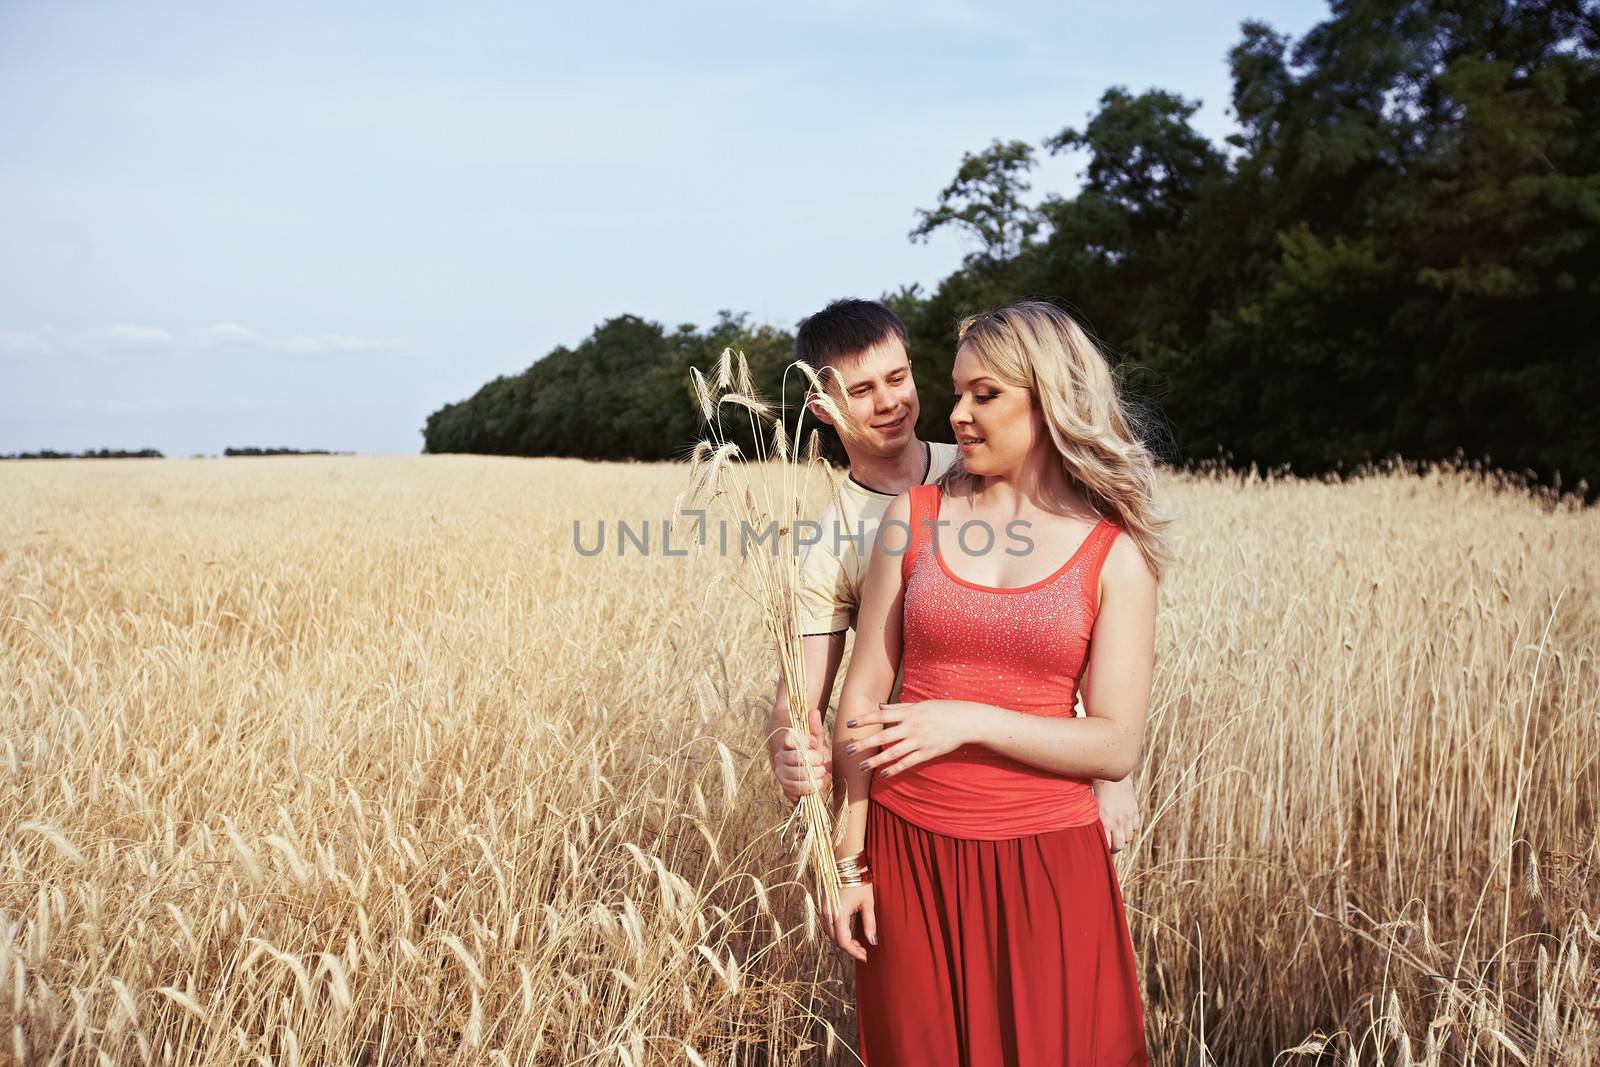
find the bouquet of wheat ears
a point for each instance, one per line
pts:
(720, 479)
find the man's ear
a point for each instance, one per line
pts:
(817, 413)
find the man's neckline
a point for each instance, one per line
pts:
(927, 468)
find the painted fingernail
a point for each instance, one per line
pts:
(850, 748)
(852, 722)
(863, 764)
(884, 774)
(873, 939)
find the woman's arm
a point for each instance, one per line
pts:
(1116, 696)
(874, 662)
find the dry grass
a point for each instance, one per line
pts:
(339, 760)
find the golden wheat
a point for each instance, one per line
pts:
(358, 760)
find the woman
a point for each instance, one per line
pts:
(973, 854)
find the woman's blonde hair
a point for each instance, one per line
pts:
(1038, 347)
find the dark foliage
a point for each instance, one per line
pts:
(98, 453)
(1398, 254)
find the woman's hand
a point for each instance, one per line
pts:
(853, 899)
(1119, 811)
(912, 733)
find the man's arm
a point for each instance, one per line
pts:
(821, 654)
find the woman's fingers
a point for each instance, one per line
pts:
(869, 921)
(878, 740)
(844, 939)
(852, 946)
(895, 751)
(843, 936)
(907, 760)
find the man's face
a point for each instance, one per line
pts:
(877, 391)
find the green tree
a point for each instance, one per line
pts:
(985, 200)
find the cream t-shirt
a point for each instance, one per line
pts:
(833, 569)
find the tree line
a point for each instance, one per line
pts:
(1398, 253)
(156, 453)
(95, 453)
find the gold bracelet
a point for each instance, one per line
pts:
(853, 870)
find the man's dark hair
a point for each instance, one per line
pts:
(844, 329)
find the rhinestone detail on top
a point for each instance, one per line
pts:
(1021, 648)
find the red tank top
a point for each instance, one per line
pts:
(1023, 649)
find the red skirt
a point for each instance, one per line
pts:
(1011, 953)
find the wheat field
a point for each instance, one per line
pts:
(359, 761)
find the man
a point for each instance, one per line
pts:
(859, 348)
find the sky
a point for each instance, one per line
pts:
(309, 225)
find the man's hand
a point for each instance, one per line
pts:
(790, 760)
(1119, 811)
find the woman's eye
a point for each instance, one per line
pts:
(984, 398)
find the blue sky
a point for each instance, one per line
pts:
(310, 225)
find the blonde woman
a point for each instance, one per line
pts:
(991, 923)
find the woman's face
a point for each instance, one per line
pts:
(996, 424)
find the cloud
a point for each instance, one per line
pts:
(226, 335)
(219, 336)
(20, 343)
(332, 343)
(126, 338)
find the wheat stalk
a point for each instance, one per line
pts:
(775, 579)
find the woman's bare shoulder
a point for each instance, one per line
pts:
(1125, 569)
